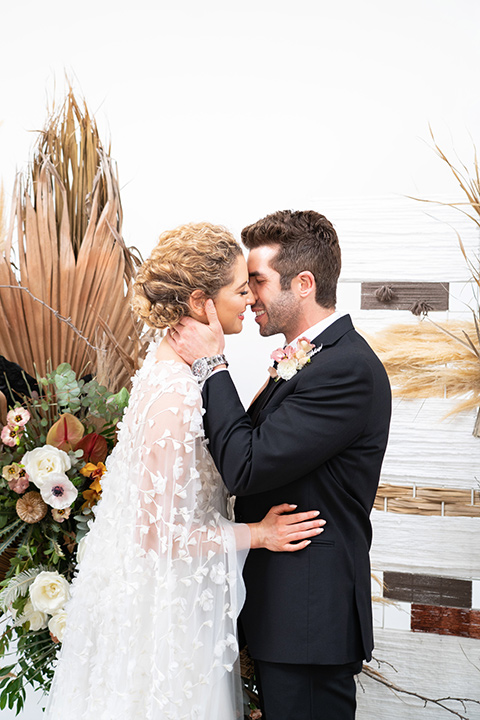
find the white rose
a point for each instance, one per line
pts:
(49, 592)
(37, 619)
(57, 623)
(42, 461)
(286, 369)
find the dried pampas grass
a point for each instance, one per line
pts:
(445, 361)
(425, 360)
(469, 183)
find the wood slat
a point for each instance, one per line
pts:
(404, 295)
(428, 589)
(446, 546)
(446, 621)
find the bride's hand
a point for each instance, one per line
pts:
(278, 530)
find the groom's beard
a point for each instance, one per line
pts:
(282, 314)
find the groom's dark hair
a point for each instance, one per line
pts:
(307, 241)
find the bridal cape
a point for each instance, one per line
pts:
(151, 627)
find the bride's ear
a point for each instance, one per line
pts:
(196, 303)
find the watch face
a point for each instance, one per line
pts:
(200, 369)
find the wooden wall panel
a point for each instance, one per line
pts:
(431, 562)
(391, 295)
(447, 546)
(446, 621)
(428, 589)
(400, 239)
(432, 665)
(429, 449)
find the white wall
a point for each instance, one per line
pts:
(227, 111)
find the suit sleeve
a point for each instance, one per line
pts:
(327, 410)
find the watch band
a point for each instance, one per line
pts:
(215, 360)
(203, 367)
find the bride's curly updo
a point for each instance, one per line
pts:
(196, 256)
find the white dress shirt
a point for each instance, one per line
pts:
(316, 329)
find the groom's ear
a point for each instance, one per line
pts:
(196, 303)
(303, 284)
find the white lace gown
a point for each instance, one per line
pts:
(151, 630)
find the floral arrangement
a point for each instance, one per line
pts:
(290, 360)
(52, 453)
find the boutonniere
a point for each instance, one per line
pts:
(290, 361)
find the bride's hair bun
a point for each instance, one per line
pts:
(196, 256)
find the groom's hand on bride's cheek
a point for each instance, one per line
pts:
(192, 339)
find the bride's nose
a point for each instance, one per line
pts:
(250, 298)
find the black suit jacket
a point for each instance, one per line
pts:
(316, 440)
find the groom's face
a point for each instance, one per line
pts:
(276, 310)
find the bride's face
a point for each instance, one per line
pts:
(232, 300)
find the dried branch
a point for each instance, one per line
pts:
(68, 320)
(439, 702)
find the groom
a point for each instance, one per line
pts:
(314, 437)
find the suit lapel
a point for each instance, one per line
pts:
(334, 331)
(328, 337)
(257, 406)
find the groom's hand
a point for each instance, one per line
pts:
(192, 339)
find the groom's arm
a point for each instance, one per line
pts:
(323, 415)
(326, 412)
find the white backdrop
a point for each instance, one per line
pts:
(226, 111)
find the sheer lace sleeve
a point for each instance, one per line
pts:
(151, 629)
(182, 503)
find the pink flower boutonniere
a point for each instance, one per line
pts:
(290, 361)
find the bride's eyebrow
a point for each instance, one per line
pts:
(242, 285)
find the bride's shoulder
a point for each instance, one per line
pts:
(162, 375)
(165, 371)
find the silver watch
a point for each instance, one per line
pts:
(203, 367)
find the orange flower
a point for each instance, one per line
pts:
(93, 471)
(93, 494)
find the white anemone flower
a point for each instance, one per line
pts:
(58, 491)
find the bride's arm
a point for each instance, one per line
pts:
(173, 514)
(282, 531)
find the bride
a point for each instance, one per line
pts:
(151, 630)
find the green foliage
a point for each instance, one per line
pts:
(34, 666)
(49, 544)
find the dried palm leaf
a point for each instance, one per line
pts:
(3, 233)
(65, 246)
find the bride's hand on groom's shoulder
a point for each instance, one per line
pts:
(193, 339)
(281, 530)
